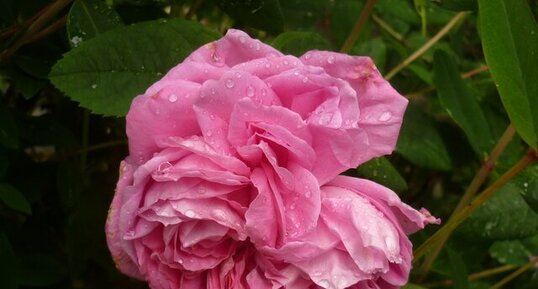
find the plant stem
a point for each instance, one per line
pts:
(49, 12)
(384, 25)
(354, 35)
(474, 276)
(455, 20)
(458, 218)
(470, 192)
(465, 75)
(516, 273)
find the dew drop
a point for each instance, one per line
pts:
(264, 92)
(238, 75)
(308, 194)
(296, 72)
(212, 116)
(209, 133)
(267, 65)
(242, 39)
(190, 213)
(286, 62)
(385, 116)
(230, 83)
(324, 283)
(172, 98)
(305, 80)
(94, 86)
(307, 56)
(330, 60)
(180, 261)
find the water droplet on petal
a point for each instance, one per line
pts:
(212, 116)
(164, 167)
(238, 75)
(190, 213)
(209, 133)
(242, 39)
(308, 194)
(264, 92)
(230, 83)
(172, 98)
(286, 62)
(330, 60)
(387, 115)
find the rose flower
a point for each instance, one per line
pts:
(232, 175)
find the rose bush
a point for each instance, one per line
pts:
(232, 178)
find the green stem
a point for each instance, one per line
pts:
(516, 273)
(474, 276)
(354, 35)
(470, 193)
(455, 20)
(385, 26)
(458, 218)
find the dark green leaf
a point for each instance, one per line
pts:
(8, 264)
(399, 9)
(304, 14)
(88, 18)
(260, 14)
(510, 43)
(458, 270)
(381, 171)
(510, 252)
(420, 142)
(505, 216)
(343, 18)
(9, 134)
(460, 105)
(374, 48)
(106, 72)
(527, 182)
(297, 43)
(457, 5)
(14, 199)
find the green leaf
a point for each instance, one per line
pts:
(88, 18)
(375, 48)
(8, 264)
(104, 73)
(420, 142)
(9, 134)
(457, 5)
(343, 18)
(503, 216)
(510, 43)
(398, 9)
(510, 252)
(14, 199)
(304, 14)
(381, 171)
(527, 182)
(460, 105)
(297, 43)
(458, 270)
(260, 14)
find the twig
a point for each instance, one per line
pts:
(384, 25)
(465, 75)
(516, 273)
(474, 276)
(470, 193)
(354, 35)
(458, 218)
(455, 20)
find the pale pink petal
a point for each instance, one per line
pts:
(381, 107)
(153, 118)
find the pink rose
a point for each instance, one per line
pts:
(232, 178)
